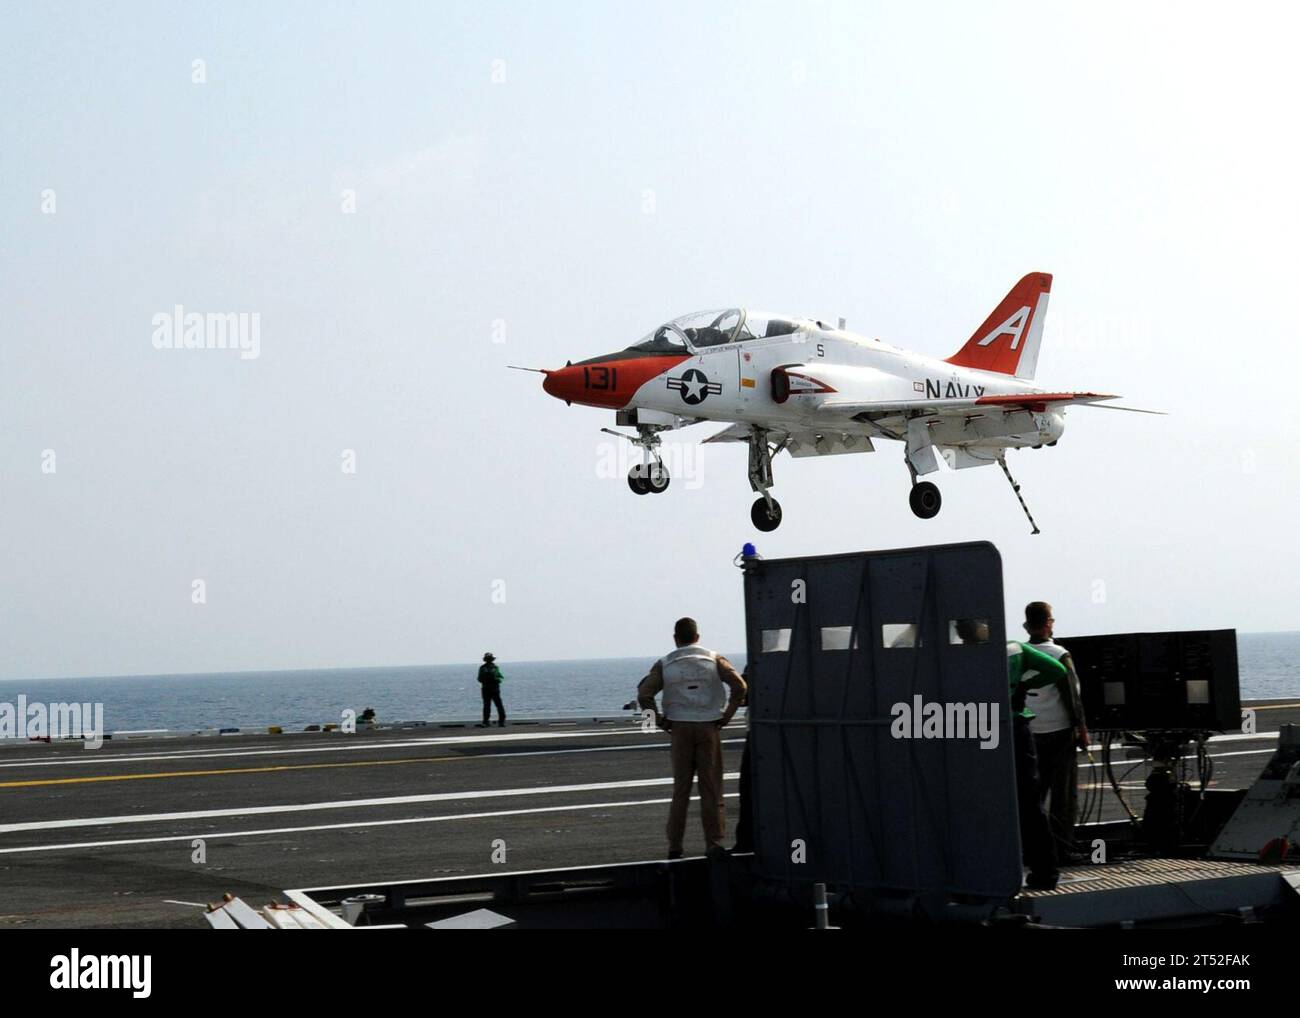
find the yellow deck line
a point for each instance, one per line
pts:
(229, 770)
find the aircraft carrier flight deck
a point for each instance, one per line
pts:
(148, 832)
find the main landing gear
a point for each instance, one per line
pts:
(765, 514)
(925, 500)
(650, 477)
(924, 497)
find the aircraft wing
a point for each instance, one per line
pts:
(1036, 401)
(821, 442)
(735, 433)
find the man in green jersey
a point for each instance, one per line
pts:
(1028, 669)
(1059, 729)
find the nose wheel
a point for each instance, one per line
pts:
(925, 500)
(648, 478)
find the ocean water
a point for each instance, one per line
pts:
(1268, 665)
(295, 699)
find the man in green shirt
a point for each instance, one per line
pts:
(1028, 669)
(1059, 729)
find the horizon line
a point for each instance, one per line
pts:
(448, 664)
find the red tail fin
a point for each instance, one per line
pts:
(1008, 340)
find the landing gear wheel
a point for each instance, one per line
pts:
(636, 480)
(764, 518)
(925, 500)
(657, 479)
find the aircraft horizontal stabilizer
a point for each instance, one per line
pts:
(1130, 409)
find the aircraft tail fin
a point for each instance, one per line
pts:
(1009, 339)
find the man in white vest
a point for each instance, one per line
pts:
(1059, 728)
(694, 682)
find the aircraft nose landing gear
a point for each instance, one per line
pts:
(658, 478)
(650, 477)
(925, 500)
(636, 480)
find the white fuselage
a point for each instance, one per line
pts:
(843, 368)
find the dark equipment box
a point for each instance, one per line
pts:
(1159, 681)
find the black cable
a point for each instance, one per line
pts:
(1124, 777)
(1204, 771)
(1114, 784)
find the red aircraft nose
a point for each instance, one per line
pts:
(609, 381)
(587, 383)
(563, 383)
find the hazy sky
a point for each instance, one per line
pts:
(540, 182)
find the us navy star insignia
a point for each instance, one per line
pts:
(695, 387)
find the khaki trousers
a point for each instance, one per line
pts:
(697, 749)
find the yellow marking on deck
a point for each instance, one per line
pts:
(229, 770)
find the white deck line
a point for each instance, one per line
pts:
(309, 807)
(92, 757)
(208, 835)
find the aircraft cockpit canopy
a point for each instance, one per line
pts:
(761, 325)
(714, 328)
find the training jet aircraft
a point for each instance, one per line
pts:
(800, 385)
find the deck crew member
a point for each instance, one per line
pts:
(1059, 727)
(1028, 669)
(696, 707)
(489, 678)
